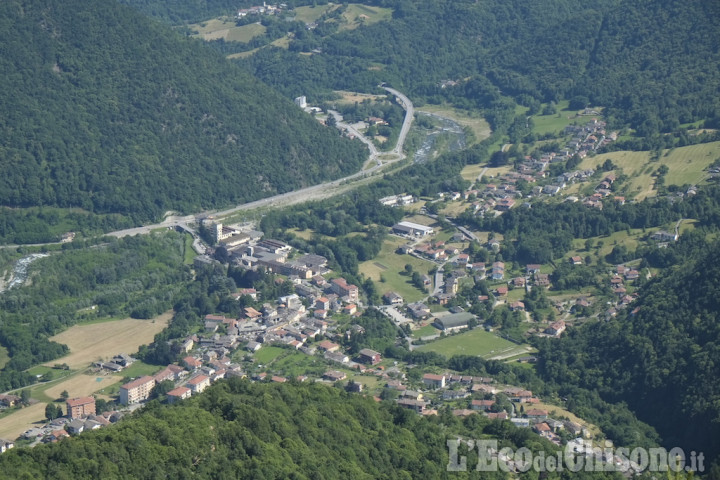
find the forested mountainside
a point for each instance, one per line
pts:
(107, 110)
(653, 64)
(661, 358)
(184, 11)
(239, 429)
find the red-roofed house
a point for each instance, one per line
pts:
(556, 328)
(434, 381)
(537, 414)
(179, 393)
(344, 289)
(369, 356)
(192, 363)
(542, 429)
(482, 404)
(199, 383)
(497, 415)
(80, 407)
(328, 346)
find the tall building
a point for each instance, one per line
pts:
(80, 407)
(137, 390)
(344, 289)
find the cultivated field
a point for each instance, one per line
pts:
(352, 97)
(426, 331)
(14, 425)
(4, 357)
(267, 354)
(454, 209)
(555, 123)
(82, 385)
(475, 342)
(89, 343)
(353, 16)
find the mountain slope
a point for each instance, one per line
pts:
(655, 65)
(103, 109)
(239, 429)
(663, 360)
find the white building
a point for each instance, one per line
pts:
(412, 229)
(301, 101)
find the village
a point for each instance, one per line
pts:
(317, 318)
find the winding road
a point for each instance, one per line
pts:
(315, 192)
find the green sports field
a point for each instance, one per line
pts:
(475, 342)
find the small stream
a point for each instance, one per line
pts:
(19, 274)
(447, 127)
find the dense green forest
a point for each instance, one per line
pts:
(184, 11)
(239, 429)
(44, 225)
(653, 64)
(660, 358)
(106, 110)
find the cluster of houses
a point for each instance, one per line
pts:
(504, 193)
(478, 396)
(397, 200)
(588, 137)
(602, 191)
(263, 9)
(81, 416)
(116, 363)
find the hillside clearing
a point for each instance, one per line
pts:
(686, 166)
(225, 28)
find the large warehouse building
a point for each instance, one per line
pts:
(412, 229)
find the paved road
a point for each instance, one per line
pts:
(321, 191)
(409, 115)
(374, 153)
(315, 192)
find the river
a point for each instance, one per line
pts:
(448, 128)
(19, 273)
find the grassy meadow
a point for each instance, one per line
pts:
(390, 267)
(686, 165)
(226, 29)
